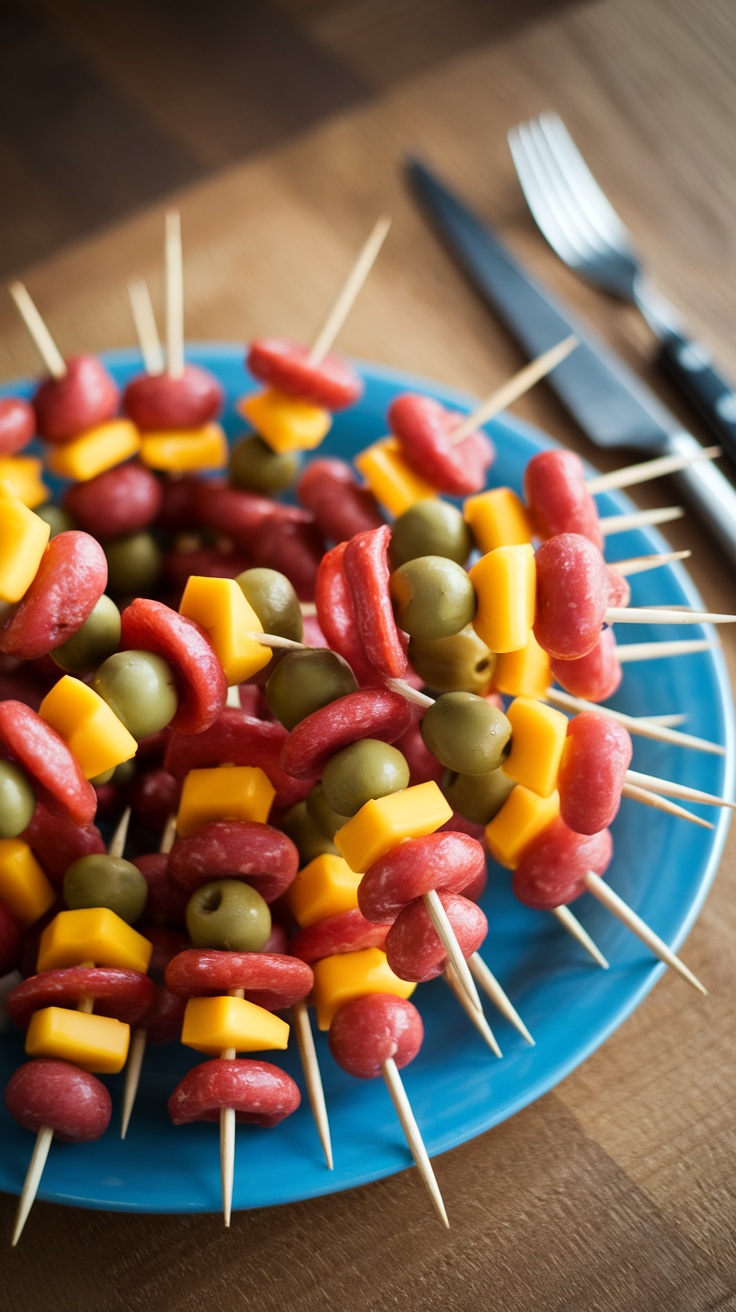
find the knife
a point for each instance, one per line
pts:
(609, 402)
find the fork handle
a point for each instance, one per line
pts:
(708, 490)
(689, 363)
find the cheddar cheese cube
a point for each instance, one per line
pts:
(213, 1024)
(391, 478)
(89, 727)
(225, 792)
(92, 934)
(23, 475)
(383, 823)
(23, 540)
(497, 518)
(523, 673)
(24, 888)
(523, 816)
(221, 608)
(285, 423)
(95, 450)
(96, 1043)
(537, 738)
(342, 979)
(325, 887)
(505, 583)
(183, 452)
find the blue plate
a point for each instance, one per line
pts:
(662, 867)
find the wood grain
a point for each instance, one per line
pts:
(617, 1190)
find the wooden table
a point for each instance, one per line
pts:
(615, 1191)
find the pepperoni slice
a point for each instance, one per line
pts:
(553, 868)
(126, 995)
(166, 903)
(70, 580)
(235, 849)
(349, 931)
(17, 424)
(158, 401)
(368, 713)
(55, 772)
(85, 396)
(445, 861)
(558, 498)
(595, 676)
(336, 614)
(240, 739)
(369, 1030)
(424, 429)
(285, 366)
(117, 502)
(200, 680)
(258, 1091)
(596, 755)
(289, 541)
(74, 1103)
(57, 841)
(368, 574)
(413, 946)
(271, 980)
(341, 507)
(572, 596)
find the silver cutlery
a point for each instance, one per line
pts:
(582, 226)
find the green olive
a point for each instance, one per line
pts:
(97, 639)
(133, 565)
(461, 663)
(306, 835)
(106, 881)
(105, 778)
(433, 597)
(430, 528)
(274, 601)
(59, 520)
(324, 816)
(305, 681)
(466, 733)
(139, 687)
(17, 800)
(229, 914)
(477, 797)
(255, 466)
(366, 769)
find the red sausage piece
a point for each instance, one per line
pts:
(75, 1104)
(54, 771)
(349, 931)
(572, 596)
(368, 713)
(619, 592)
(57, 841)
(552, 870)
(200, 680)
(336, 614)
(595, 676)
(258, 1092)
(268, 979)
(444, 861)
(85, 396)
(154, 795)
(165, 1017)
(11, 941)
(289, 541)
(239, 515)
(285, 366)
(69, 582)
(558, 498)
(240, 739)
(126, 995)
(17, 424)
(158, 401)
(341, 507)
(369, 1030)
(117, 502)
(368, 574)
(413, 947)
(595, 758)
(424, 429)
(166, 903)
(235, 849)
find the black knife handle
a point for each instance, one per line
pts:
(708, 491)
(689, 364)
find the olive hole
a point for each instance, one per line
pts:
(211, 900)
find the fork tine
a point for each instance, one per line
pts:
(536, 193)
(583, 186)
(561, 196)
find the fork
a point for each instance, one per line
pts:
(582, 226)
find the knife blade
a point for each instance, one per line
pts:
(609, 402)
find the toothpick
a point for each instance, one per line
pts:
(476, 1017)
(133, 1066)
(174, 296)
(670, 789)
(644, 728)
(605, 894)
(312, 1076)
(660, 804)
(609, 524)
(648, 469)
(490, 985)
(118, 840)
(414, 1139)
(640, 564)
(227, 1137)
(411, 694)
(652, 651)
(660, 615)
(275, 640)
(145, 326)
(32, 1180)
(42, 339)
(514, 388)
(349, 291)
(573, 926)
(446, 933)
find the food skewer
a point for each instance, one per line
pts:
(348, 293)
(516, 387)
(403, 1110)
(45, 345)
(144, 319)
(174, 296)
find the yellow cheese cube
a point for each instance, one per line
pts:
(523, 816)
(23, 475)
(382, 824)
(96, 1043)
(226, 792)
(285, 423)
(537, 738)
(95, 450)
(390, 478)
(221, 608)
(24, 888)
(23, 540)
(93, 934)
(505, 583)
(89, 727)
(324, 887)
(339, 980)
(211, 1024)
(523, 673)
(185, 451)
(497, 518)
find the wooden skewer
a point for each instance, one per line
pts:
(644, 728)
(119, 838)
(145, 326)
(275, 640)
(661, 804)
(652, 651)
(667, 721)
(655, 785)
(514, 388)
(640, 564)
(227, 1136)
(174, 296)
(490, 985)
(446, 933)
(605, 894)
(648, 469)
(661, 615)
(571, 923)
(42, 339)
(313, 1077)
(609, 524)
(476, 1017)
(349, 291)
(414, 1139)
